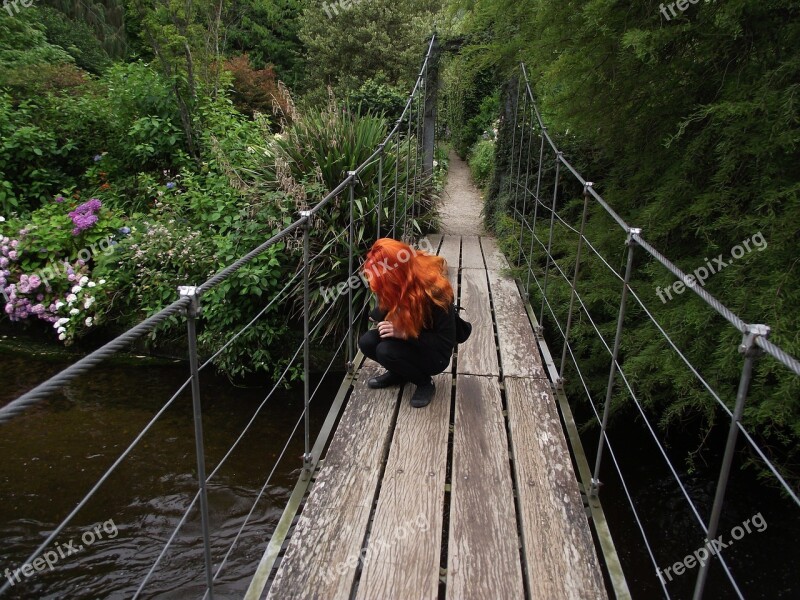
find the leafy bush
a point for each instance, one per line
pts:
(29, 158)
(377, 96)
(76, 37)
(481, 162)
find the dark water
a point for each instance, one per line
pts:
(54, 453)
(764, 563)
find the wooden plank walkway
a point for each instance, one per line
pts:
(473, 496)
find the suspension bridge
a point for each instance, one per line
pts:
(487, 492)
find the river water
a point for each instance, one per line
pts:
(55, 452)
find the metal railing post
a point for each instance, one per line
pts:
(631, 243)
(307, 458)
(396, 175)
(525, 191)
(573, 293)
(408, 164)
(535, 213)
(519, 165)
(192, 312)
(417, 156)
(351, 235)
(550, 241)
(513, 142)
(380, 190)
(751, 351)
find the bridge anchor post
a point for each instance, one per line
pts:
(631, 243)
(192, 312)
(307, 456)
(751, 351)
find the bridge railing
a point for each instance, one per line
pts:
(394, 215)
(536, 214)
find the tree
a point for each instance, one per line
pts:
(349, 42)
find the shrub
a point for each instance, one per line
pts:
(481, 162)
(258, 90)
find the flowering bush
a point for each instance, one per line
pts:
(79, 309)
(45, 264)
(149, 265)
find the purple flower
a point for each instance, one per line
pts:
(98, 157)
(84, 216)
(170, 185)
(59, 199)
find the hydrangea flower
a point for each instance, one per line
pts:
(84, 216)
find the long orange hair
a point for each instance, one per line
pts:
(407, 282)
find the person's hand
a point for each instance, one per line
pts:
(387, 330)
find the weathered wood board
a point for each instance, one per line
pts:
(321, 559)
(432, 243)
(519, 352)
(451, 250)
(402, 556)
(483, 548)
(478, 355)
(560, 555)
(471, 254)
(495, 260)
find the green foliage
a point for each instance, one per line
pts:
(471, 102)
(76, 38)
(378, 97)
(481, 162)
(363, 41)
(23, 42)
(29, 158)
(267, 30)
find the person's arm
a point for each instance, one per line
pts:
(376, 314)
(441, 334)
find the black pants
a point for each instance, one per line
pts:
(410, 360)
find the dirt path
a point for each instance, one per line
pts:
(461, 202)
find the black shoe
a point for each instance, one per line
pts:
(388, 379)
(423, 395)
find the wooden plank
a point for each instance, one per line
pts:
(495, 259)
(560, 554)
(431, 240)
(404, 548)
(471, 254)
(483, 547)
(321, 559)
(519, 352)
(478, 355)
(451, 250)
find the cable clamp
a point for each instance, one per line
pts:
(748, 346)
(632, 231)
(190, 291)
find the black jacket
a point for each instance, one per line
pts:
(439, 336)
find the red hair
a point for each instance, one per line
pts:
(407, 281)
